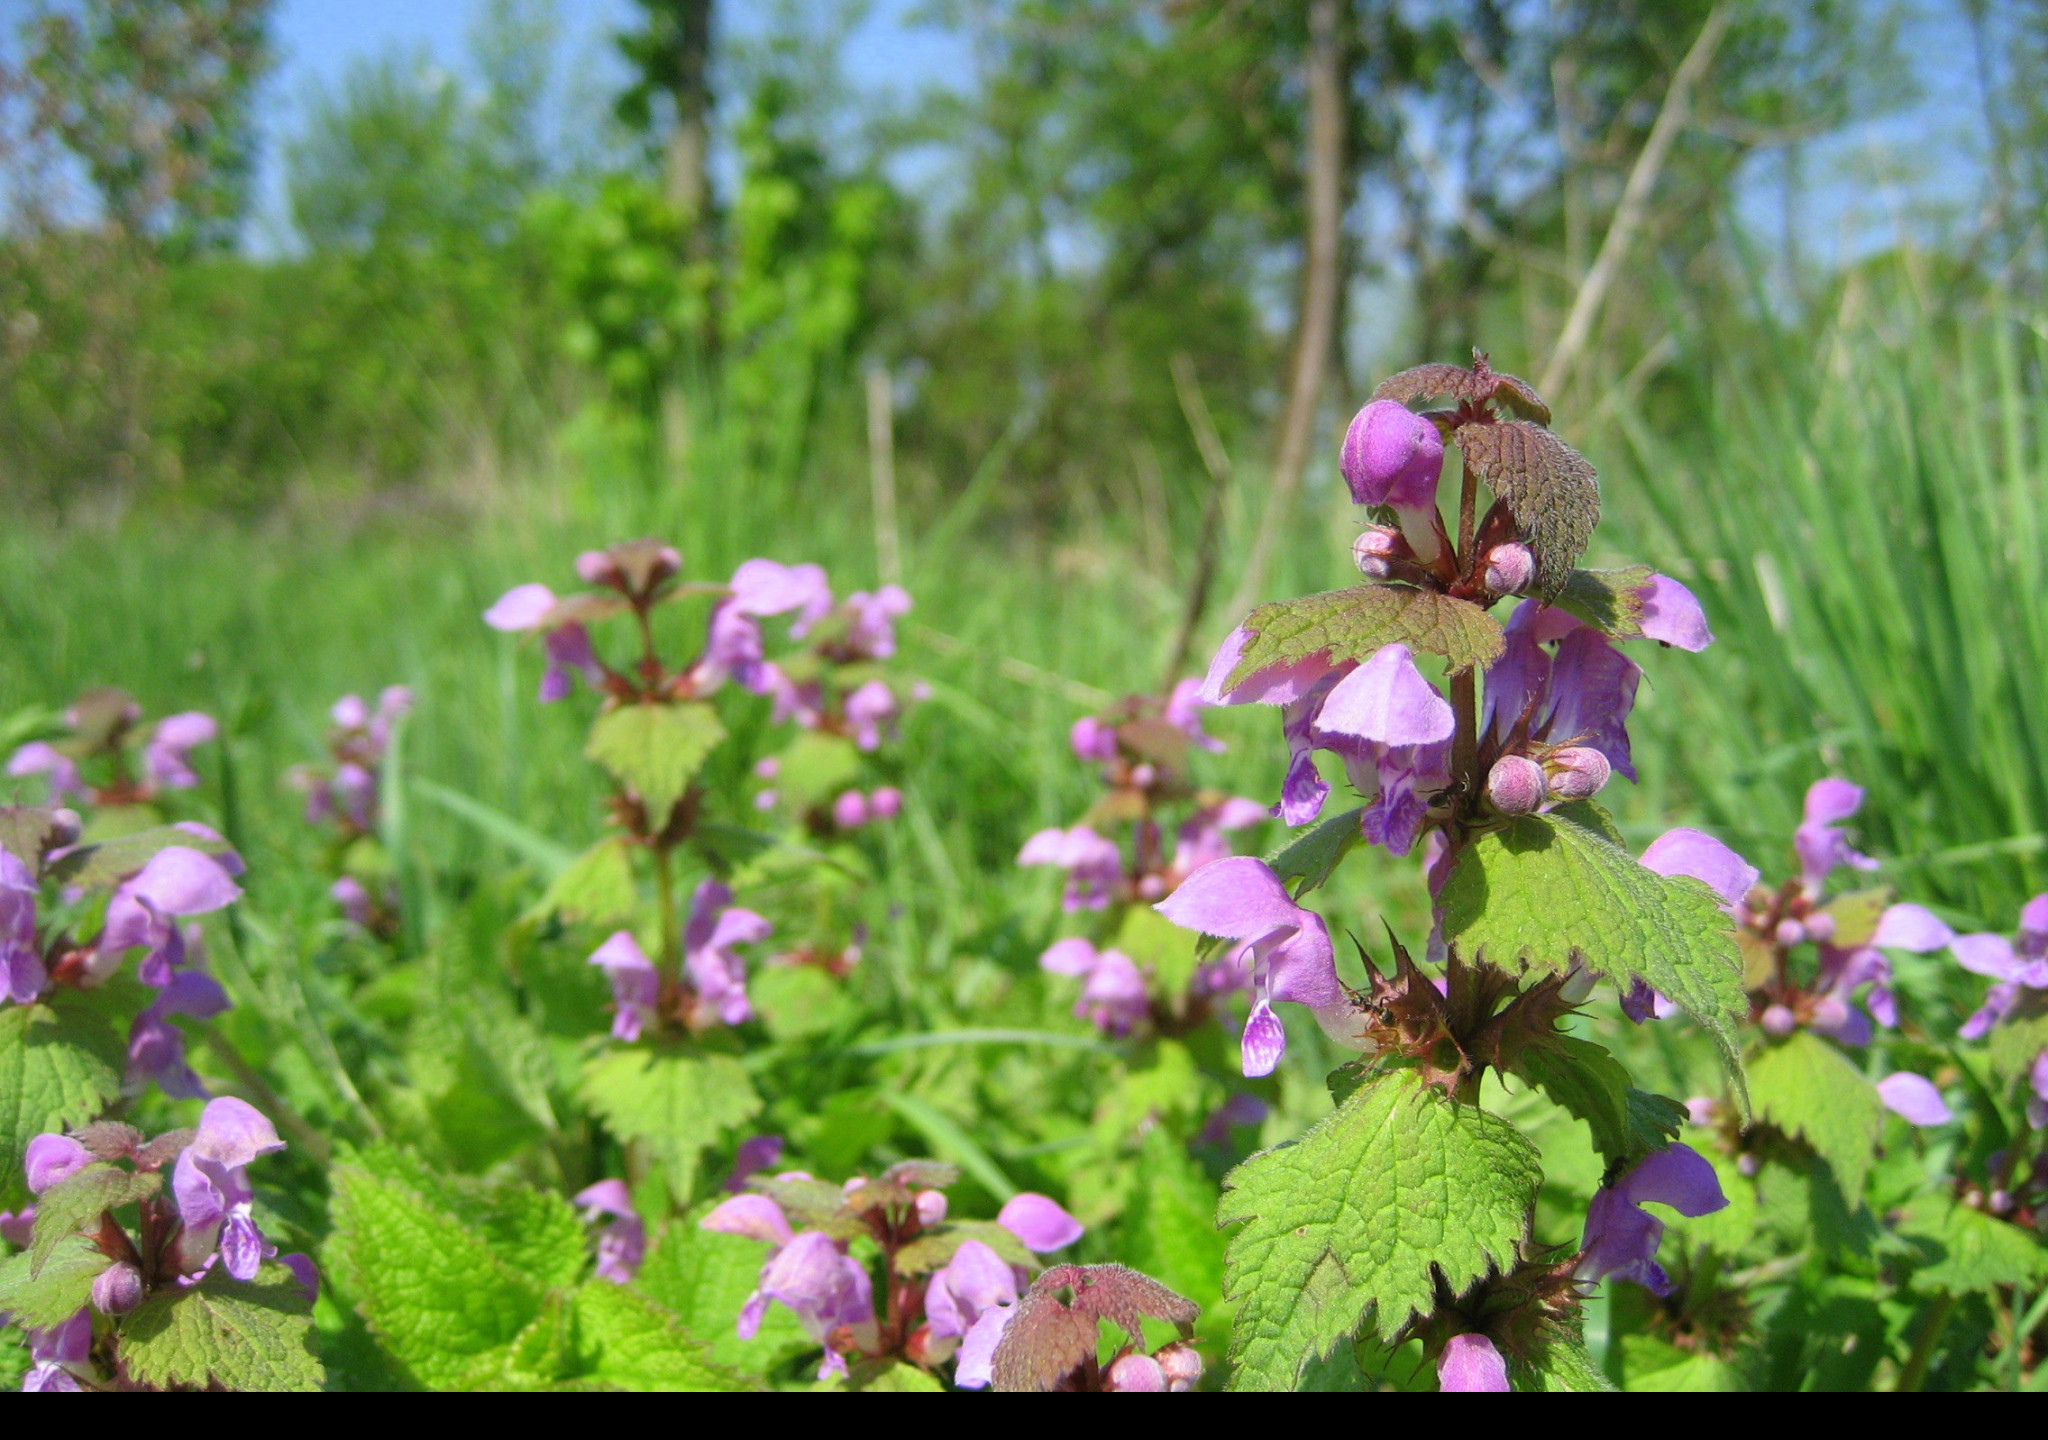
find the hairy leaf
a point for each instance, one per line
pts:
(75, 1205)
(1313, 856)
(704, 1278)
(631, 1343)
(1548, 487)
(1626, 1123)
(815, 768)
(674, 1102)
(253, 1335)
(653, 750)
(597, 887)
(1478, 384)
(936, 1247)
(107, 862)
(60, 1066)
(1808, 1089)
(25, 832)
(1965, 1250)
(1559, 1365)
(2018, 1039)
(1352, 1223)
(49, 1297)
(1356, 624)
(1548, 890)
(1608, 600)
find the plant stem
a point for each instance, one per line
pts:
(664, 884)
(267, 1099)
(1915, 1372)
(1465, 687)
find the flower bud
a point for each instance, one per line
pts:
(65, 827)
(118, 1289)
(1702, 1110)
(1151, 888)
(1747, 1165)
(1578, 985)
(931, 1206)
(1093, 739)
(1392, 456)
(2001, 1202)
(1135, 1373)
(765, 800)
(768, 767)
(1778, 1022)
(1820, 927)
(1181, 1364)
(850, 810)
(886, 803)
(1142, 776)
(1515, 785)
(1577, 772)
(1790, 932)
(1509, 569)
(1830, 1012)
(1372, 550)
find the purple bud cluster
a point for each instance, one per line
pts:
(344, 794)
(709, 988)
(94, 764)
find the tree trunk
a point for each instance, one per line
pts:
(1315, 331)
(689, 83)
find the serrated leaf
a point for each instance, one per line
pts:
(1965, 1251)
(254, 1335)
(60, 1066)
(107, 862)
(1626, 1123)
(1169, 1230)
(596, 888)
(1422, 382)
(935, 1247)
(631, 1343)
(75, 1205)
(1650, 1365)
(815, 767)
(704, 1278)
(1856, 915)
(25, 832)
(42, 1299)
(1608, 600)
(1808, 1089)
(1356, 624)
(1351, 1224)
(434, 1291)
(1548, 890)
(673, 1101)
(1547, 486)
(1313, 856)
(2016, 1041)
(1558, 1366)
(653, 750)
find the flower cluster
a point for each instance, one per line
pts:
(95, 763)
(710, 987)
(946, 1287)
(207, 1221)
(2018, 970)
(344, 794)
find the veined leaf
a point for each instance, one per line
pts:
(1808, 1089)
(673, 1101)
(1355, 624)
(239, 1335)
(1313, 856)
(60, 1066)
(1966, 1251)
(653, 750)
(40, 1298)
(1548, 487)
(1585, 1079)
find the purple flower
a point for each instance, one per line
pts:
(1239, 1109)
(177, 881)
(1393, 730)
(873, 635)
(1135, 1374)
(869, 710)
(886, 803)
(1038, 1221)
(2037, 1103)
(1094, 866)
(2014, 966)
(1392, 456)
(1093, 739)
(156, 1047)
(850, 810)
(714, 927)
(40, 758)
(117, 1289)
(175, 737)
(636, 987)
(1200, 840)
(304, 1272)
(754, 1155)
(1914, 1098)
(18, 1228)
(765, 587)
(354, 900)
(732, 651)
(1240, 898)
(51, 1160)
(1184, 712)
(22, 974)
(1470, 1363)
(566, 642)
(974, 1280)
(1275, 685)
(1820, 845)
(623, 1244)
(1303, 791)
(1621, 1237)
(56, 1352)
(1672, 615)
(754, 1216)
(1695, 853)
(826, 1289)
(1113, 995)
(214, 1198)
(975, 1367)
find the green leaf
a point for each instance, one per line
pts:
(1169, 1232)
(60, 1066)
(434, 1291)
(887, 1377)
(2020, 1038)
(1808, 1089)
(1355, 624)
(1965, 1250)
(1651, 1365)
(936, 1247)
(1547, 486)
(254, 1335)
(75, 1205)
(1313, 856)
(1354, 1222)
(597, 887)
(107, 863)
(1608, 600)
(703, 1278)
(1626, 1123)
(631, 1343)
(42, 1299)
(671, 1100)
(815, 768)
(653, 750)
(25, 832)
(1548, 890)
(1558, 1366)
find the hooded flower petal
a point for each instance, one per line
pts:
(975, 1279)
(1392, 456)
(1387, 701)
(1911, 927)
(636, 986)
(22, 974)
(521, 608)
(53, 1159)
(1471, 1363)
(40, 758)
(1694, 853)
(1914, 1098)
(1184, 712)
(1039, 1222)
(754, 1216)
(1074, 955)
(233, 1132)
(975, 1367)
(1621, 1237)
(1237, 898)
(1274, 685)
(1672, 615)
(1821, 847)
(765, 587)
